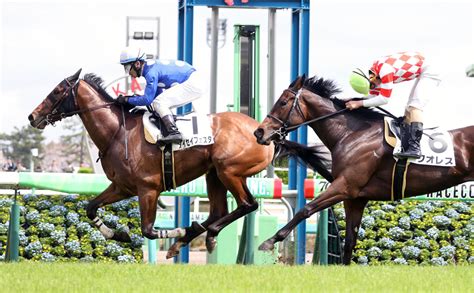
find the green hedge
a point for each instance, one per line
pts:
(414, 232)
(55, 228)
(409, 232)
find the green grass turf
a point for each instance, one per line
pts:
(105, 277)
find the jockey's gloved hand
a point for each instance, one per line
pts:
(122, 100)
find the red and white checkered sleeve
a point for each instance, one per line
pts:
(386, 74)
(375, 91)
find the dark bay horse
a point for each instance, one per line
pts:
(362, 161)
(134, 166)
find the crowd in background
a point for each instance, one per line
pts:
(11, 166)
(54, 167)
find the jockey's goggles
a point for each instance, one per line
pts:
(127, 68)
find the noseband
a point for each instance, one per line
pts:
(285, 128)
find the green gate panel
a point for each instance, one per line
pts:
(227, 245)
(266, 227)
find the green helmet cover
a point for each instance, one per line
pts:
(359, 83)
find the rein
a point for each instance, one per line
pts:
(52, 118)
(283, 131)
(291, 128)
(102, 153)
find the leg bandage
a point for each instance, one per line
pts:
(106, 231)
(175, 233)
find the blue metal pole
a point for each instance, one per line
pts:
(152, 251)
(292, 165)
(295, 39)
(301, 202)
(294, 73)
(186, 53)
(185, 44)
(181, 17)
(188, 57)
(302, 138)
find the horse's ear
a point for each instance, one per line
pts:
(73, 78)
(298, 82)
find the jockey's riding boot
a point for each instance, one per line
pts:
(174, 136)
(404, 135)
(415, 133)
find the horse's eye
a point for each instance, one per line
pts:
(56, 92)
(283, 103)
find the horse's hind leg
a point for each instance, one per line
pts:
(148, 199)
(354, 210)
(245, 204)
(217, 194)
(108, 196)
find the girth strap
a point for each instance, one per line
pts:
(399, 179)
(167, 165)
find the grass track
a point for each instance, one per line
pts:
(80, 277)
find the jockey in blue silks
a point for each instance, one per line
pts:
(169, 84)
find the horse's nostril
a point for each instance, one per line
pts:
(30, 117)
(258, 133)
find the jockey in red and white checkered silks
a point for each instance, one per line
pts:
(378, 85)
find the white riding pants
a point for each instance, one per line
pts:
(423, 88)
(179, 95)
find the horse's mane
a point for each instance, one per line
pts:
(327, 89)
(97, 83)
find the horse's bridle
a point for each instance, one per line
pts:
(56, 116)
(283, 131)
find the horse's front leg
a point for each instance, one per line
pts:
(110, 195)
(336, 192)
(354, 209)
(148, 200)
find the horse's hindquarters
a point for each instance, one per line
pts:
(236, 146)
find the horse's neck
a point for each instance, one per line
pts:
(102, 123)
(331, 130)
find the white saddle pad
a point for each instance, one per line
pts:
(196, 130)
(436, 147)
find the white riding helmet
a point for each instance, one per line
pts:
(132, 54)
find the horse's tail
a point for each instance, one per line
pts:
(317, 156)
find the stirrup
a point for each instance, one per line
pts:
(408, 155)
(172, 138)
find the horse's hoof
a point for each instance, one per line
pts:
(174, 250)
(171, 253)
(122, 236)
(211, 244)
(267, 246)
